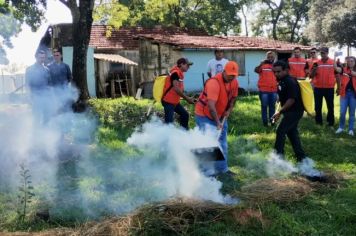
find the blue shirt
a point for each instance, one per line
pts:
(60, 73)
(37, 77)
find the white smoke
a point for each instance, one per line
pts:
(307, 168)
(279, 167)
(182, 173)
(76, 177)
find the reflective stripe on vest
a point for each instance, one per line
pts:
(325, 77)
(296, 67)
(267, 80)
(223, 99)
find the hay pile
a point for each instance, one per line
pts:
(180, 216)
(276, 190)
(176, 216)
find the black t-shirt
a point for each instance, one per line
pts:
(289, 88)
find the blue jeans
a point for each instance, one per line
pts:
(205, 123)
(268, 101)
(169, 110)
(349, 101)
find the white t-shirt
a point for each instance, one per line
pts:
(215, 66)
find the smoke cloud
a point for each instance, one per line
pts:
(76, 177)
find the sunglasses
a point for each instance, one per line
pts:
(312, 52)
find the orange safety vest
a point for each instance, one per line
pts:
(169, 94)
(267, 80)
(296, 67)
(345, 78)
(223, 100)
(325, 77)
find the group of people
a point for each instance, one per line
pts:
(40, 77)
(277, 82)
(324, 73)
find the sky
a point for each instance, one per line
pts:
(27, 41)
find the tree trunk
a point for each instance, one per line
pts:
(81, 36)
(82, 16)
(245, 20)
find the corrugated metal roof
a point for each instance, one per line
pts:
(114, 58)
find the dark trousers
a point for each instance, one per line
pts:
(328, 94)
(169, 110)
(289, 127)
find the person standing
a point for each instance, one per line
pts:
(291, 110)
(61, 77)
(37, 79)
(216, 65)
(174, 90)
(313, 58)
(323, 75)
(60, 71)
(347, 92)
(267, 86)
(298, 66)
(214, 106)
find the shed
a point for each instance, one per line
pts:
(159, 52)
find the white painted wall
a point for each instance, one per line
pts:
(193, 78)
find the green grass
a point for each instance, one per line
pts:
(328, 211)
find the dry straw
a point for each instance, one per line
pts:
(276, 190)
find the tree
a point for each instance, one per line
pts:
(282, 20)
(13, 13)
(346, 22)
(213, 16)
(332, 21)
(82, 15)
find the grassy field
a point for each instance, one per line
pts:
(329, 210)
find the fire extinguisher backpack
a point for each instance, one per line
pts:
(158, 87)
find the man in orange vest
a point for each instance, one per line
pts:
(298, 66)
(323, 74)
(215, 105)
(267, 86)
(173, 91)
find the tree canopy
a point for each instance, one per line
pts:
(13, 13)
(281, 19)
(333, 21)
(213, 16)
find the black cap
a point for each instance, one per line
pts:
(324, 49)
(184, 60)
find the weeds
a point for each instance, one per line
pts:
(25, 193)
